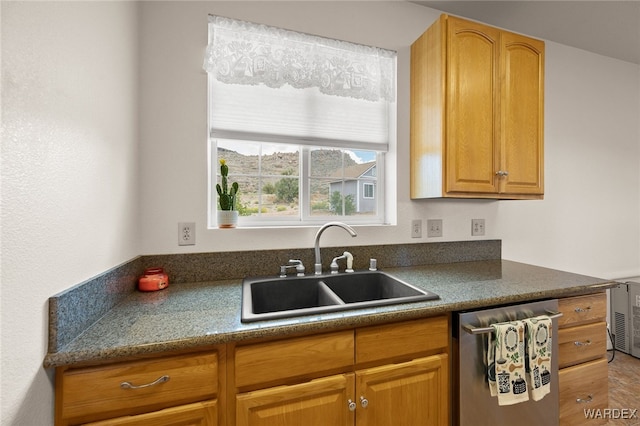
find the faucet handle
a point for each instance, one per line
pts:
(334, 264)
(283, 271)
(293, 263)
(299, 266)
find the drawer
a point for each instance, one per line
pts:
(309, 356)
(583, 387)
(95, 393)
(581, 343)
(402, 340)
(582, 309)
(198, 414)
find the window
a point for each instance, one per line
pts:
(369, 190)
(303, 122)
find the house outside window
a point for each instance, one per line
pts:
(303, 122)
(357, 188)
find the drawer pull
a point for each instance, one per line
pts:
(584, 401)
(161, 379)
(580, 310)
(586, 343)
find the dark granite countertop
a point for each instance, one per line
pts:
(192, 316)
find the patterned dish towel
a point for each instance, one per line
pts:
(539, 336)
(506, 356)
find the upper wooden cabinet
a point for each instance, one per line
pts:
(477, 98)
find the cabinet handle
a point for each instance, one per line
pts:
(352, 405)
(364, 402)
(580, 310)
(584, 401)
(161, 379)
(502, 173)
(586, 343)
(484, 330)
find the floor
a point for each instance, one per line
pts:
(624, 388)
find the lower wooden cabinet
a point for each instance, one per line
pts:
(392, 374)
(410, 393)
(582, 344)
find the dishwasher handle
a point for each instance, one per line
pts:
(484, 330)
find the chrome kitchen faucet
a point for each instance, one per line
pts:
(318, 264)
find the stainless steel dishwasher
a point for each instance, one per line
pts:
(473, 404)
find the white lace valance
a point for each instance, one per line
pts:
(245, 53)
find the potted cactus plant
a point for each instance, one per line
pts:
(227, 213)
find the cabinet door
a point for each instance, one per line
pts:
(522, 115)
(319, 402)
(199, 414)
(410, 393)
(472, 107)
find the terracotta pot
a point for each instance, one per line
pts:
(227, 218)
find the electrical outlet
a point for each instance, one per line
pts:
(186, 233)
(434, 228)
(477, 227)
(416, 228)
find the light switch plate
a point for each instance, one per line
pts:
(477, 227)
(416, 228)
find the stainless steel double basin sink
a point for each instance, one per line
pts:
(274, 298)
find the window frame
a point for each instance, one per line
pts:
(385, 191)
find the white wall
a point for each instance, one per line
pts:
(587, 223)
(174, 122)
(69, 173)
(589, 219)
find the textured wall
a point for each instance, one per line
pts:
(69, 172)
(587, 223)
